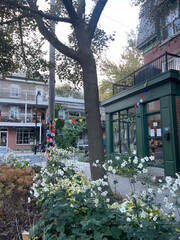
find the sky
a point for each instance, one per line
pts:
(121, 17)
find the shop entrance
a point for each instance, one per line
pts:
(3, 138)
(155, 144)
(155, 138)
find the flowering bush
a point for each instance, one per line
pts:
(73, 207)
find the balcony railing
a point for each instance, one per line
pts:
(21, 119)
(22, 96)
(161, 64)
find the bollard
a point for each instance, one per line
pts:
(25, 235)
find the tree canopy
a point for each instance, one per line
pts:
(130, 60)
(66, 90)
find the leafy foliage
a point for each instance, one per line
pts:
(67, 91)
(67, 133)
(16, 213)
(130, 60)
(74, 207)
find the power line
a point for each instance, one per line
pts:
(114, 20)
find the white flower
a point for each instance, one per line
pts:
(141, 225)
(140, 165)
(135, 160)
(107, 200)
(60, 172)
(152, 158)
(128, 219)
(123, 164)
(96, 201)
(160, 180)
(110, 161)
(29, 199)
(105, 177)
(169, 205)
(99, 188)
(174, 187)
(104, 193)
(110, 168)
(97, 161)
(147, 159)
(117, 158)
(114, 171)
(122, 209)
(168, 180)
(142, 160)
(94, 164)
(134, 152)
(143, 193)
(36, 194)
(143, 214)
(154, 218)
(177, 181)
(165, 199)
(151, 214)
(145, 170)
(46, 189)
(149, 190)
(71, 205)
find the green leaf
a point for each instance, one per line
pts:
(116, 232)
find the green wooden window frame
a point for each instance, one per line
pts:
(123, 131)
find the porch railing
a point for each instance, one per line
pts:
(21, 119)
(159, 65)
(21, 96)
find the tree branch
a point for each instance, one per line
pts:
(81, 8)
(39, 12)
(71, 11)
(95, 17)
(51, 37)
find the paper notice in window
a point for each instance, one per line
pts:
(158, 132)
(152, 133)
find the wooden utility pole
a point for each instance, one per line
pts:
(51, 108)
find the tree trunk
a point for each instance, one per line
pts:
(94, 128)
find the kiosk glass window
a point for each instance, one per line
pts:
(155, 138)
(115, 136)
(153, 106)
(124, 131)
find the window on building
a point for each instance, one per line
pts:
(170, 21)
(14, 91)
(24, 136)
(14, 112)
(153, 106)
(124, 131)
(61, 114)
(154, 131)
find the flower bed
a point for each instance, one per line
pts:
(73, 207)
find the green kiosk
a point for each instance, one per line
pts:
(143, 115)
